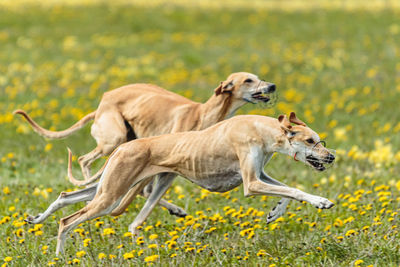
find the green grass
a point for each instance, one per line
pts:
(339, 70)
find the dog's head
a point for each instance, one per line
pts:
(305, 144)
(246, 87)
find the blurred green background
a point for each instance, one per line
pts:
(336, 63)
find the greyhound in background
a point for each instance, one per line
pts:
(144, 110)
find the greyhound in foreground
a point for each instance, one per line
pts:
(218, 159)
(144, 110)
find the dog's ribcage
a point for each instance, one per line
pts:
(207, 164)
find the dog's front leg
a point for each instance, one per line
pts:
(252, 184)
(161, 186)
(256, 187)
(280, 208)
(65, 199)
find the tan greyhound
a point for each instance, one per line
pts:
(143, 110)
(218, 158)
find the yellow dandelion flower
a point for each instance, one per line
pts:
(38, 233)
(251, 235)
(148, 228)
(171, 244)
(273, 226)
(8, 259)
(261, 253)
(151, 258)
(6, 190)
(128, 234)
(128, 256)
(210, 230)
(48, 147)
(101, 256)
(139, 240)
(153, 236)
(86, 242)
(81, 253)
(358, 262)
(19, 232)
(108, 231)
(190, 249)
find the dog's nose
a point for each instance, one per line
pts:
(330, 158)
(271, 88)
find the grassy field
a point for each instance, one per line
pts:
(339, 69)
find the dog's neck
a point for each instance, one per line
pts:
(272, 138)
(283, 146)
(218, 108)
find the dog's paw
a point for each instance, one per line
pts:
(278, 210)
(322, 203)
(177, 211)
(134, 230)
(33, 219)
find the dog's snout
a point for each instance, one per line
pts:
(330, 158)
(271, 88)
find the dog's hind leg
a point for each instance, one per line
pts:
(86, 160)
(110, 131)
(173, 209)
(65, 199)
(102, 205)
(278, 211)
(146, 192)
(117, 179)
(280, 208)
(161, 186)
(132, 193)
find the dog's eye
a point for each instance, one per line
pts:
(310, 141)
(248, 81)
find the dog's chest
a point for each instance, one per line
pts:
(220, 182)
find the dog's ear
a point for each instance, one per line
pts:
(284, 121)
(286, 127)
(224, 87)
(218, 90)
(295, 120)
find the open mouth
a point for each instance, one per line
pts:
(260, 96)
(315, 163)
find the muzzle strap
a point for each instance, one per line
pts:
(320, 142)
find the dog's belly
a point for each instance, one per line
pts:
(221, 182)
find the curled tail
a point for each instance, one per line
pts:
(77, 182)
(56, 134)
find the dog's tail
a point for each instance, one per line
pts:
(77, 182)
(56, 134)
